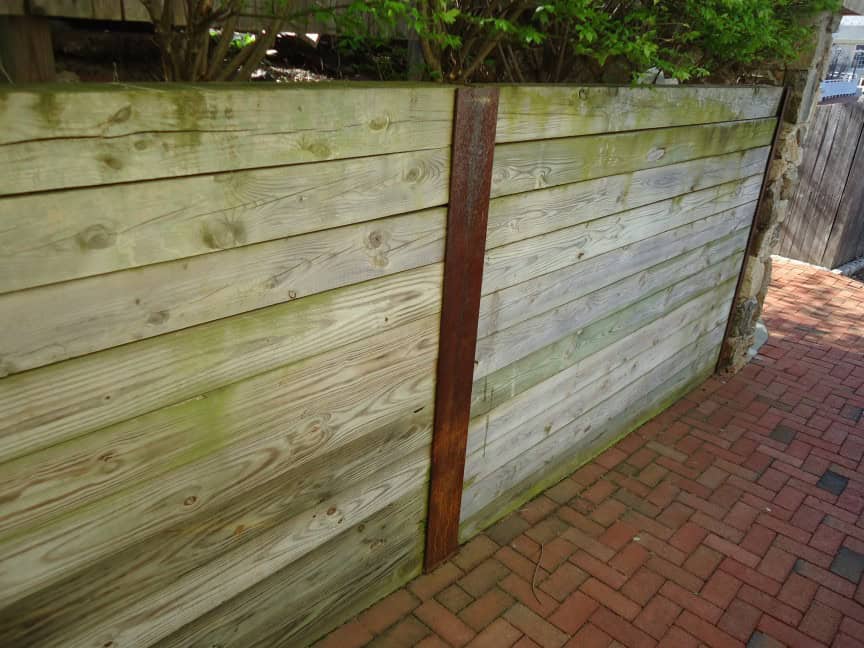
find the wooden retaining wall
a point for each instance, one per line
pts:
(825, 223)
(611, 261)
(219, 332)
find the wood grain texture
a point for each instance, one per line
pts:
(522, 422)
(104, 134)
(578, 434)
(333, 396)
(523, 215)
(54, 404)
(514, 304)
(88, 599)
(155, 617)
(470, 181)
(303, 601)
(517, 262)
(648, 294)
(547, 468)
(62, 321)
(825, 219)
(526, 166)
(542, 112)
(508, 345)
(57, 236)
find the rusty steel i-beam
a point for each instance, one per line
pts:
(470, 186)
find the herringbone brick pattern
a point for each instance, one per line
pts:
(732, 519)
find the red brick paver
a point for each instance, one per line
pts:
(732, 519)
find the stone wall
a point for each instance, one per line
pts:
(802, 83)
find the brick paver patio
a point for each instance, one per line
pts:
(732, 519)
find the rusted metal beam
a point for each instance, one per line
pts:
(470, 186)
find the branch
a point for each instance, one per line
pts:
(217, 58)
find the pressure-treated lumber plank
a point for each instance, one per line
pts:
(547, 466)
(520, 216)
(541, 112)
(516, 262)
(647, 295)
(514, 304)
(577, 434)
(538, 330)
(103, 134)
(525, 166)
(87, 599)
(470, 180)
(60, 321)
(53, 404)
(522, 422)
(298, 604)
(333, 396)
(155, 617)
(50, 237)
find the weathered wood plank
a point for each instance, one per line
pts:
(508, 345)
(514, 304)
(517, 262)
(87, 599)
(103, 134)
(26, 50)
(520, 216)
(577, 434)
(522, 422)
(526, 166)
(153, 618)
(51, 237)
(542, 112)
(470, 179)
(650, 294)
(546, 466)
(53, 404)
(822, 220)
(332, 396)
(301, 602)
(846, 241)
(60, 321)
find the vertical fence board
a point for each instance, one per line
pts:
(825, 223)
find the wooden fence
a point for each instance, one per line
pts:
(220, 312)
(825, 223)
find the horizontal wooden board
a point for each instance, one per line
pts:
(526, 166)
(89, 598)
(102, 134)
(648, 294)
(155, 617)
(344, 576)
(513, 304)
(577, 434)
(332, 394)
(56, 236)
(522, 422)
(547, 466)
(517, 262)
(60, 321)
(540, 112)
(53, 404)
(510, 344)
(523, 215)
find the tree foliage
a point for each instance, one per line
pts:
(591, 40)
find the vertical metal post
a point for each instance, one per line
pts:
(470, 186)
